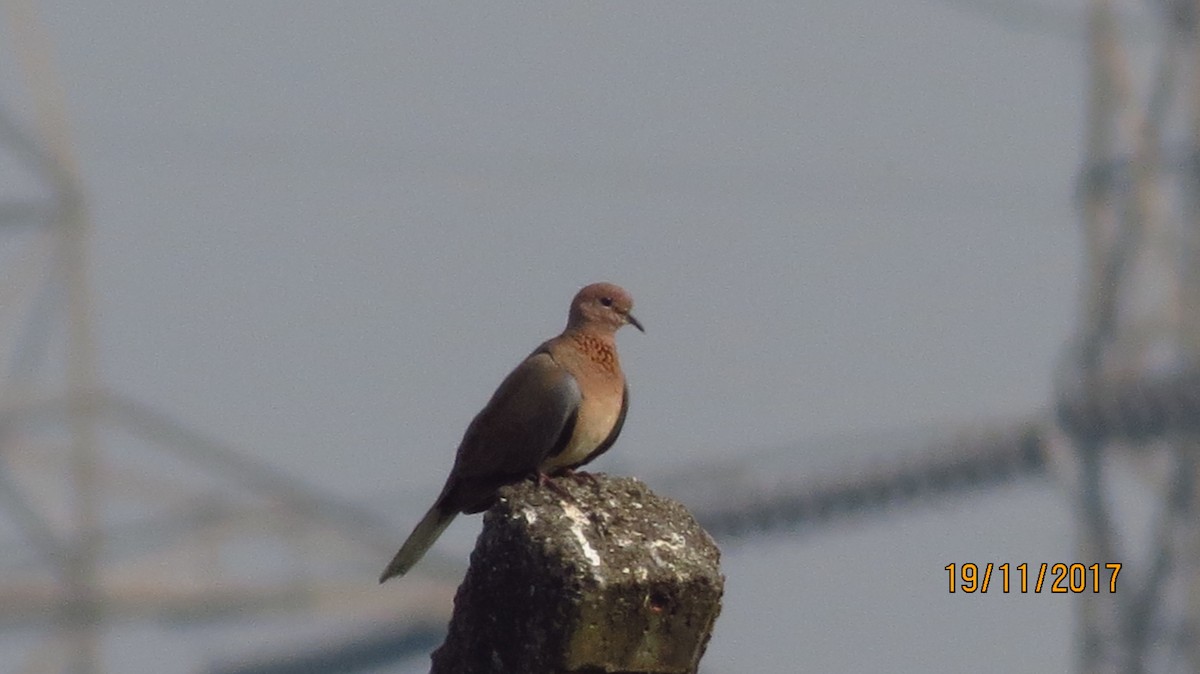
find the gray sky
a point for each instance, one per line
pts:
(325, 231)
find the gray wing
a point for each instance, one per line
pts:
(531, 416)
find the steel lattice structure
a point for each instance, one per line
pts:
(113, 511)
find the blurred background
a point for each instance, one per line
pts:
(916, 276)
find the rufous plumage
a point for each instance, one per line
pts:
(559, 409)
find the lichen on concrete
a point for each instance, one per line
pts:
(612, 579)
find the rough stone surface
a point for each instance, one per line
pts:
(614, 579)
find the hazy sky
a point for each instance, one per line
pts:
(325, 231)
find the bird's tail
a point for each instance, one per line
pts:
(419, 541)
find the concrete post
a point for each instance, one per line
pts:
(613, 579)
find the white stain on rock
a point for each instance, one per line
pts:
(578, 521)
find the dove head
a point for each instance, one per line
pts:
(602, 307)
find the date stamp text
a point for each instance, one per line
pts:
(1024, 578)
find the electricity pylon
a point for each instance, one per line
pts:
(1128, 390)
(1140, 325)
(111, 510)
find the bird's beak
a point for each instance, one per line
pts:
(634, 322)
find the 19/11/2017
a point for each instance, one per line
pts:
(1064, 578)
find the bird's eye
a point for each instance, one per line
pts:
(606, 301)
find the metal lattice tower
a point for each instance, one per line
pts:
(111, 511)
(1127, 406)
(1140, 211)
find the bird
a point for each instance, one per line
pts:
(559, 409)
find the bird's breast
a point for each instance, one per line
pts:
(596, 419)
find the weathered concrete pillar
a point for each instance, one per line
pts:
(615, 579)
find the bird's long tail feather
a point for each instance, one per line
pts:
(419, 541)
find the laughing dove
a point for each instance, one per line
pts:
(563, 406)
